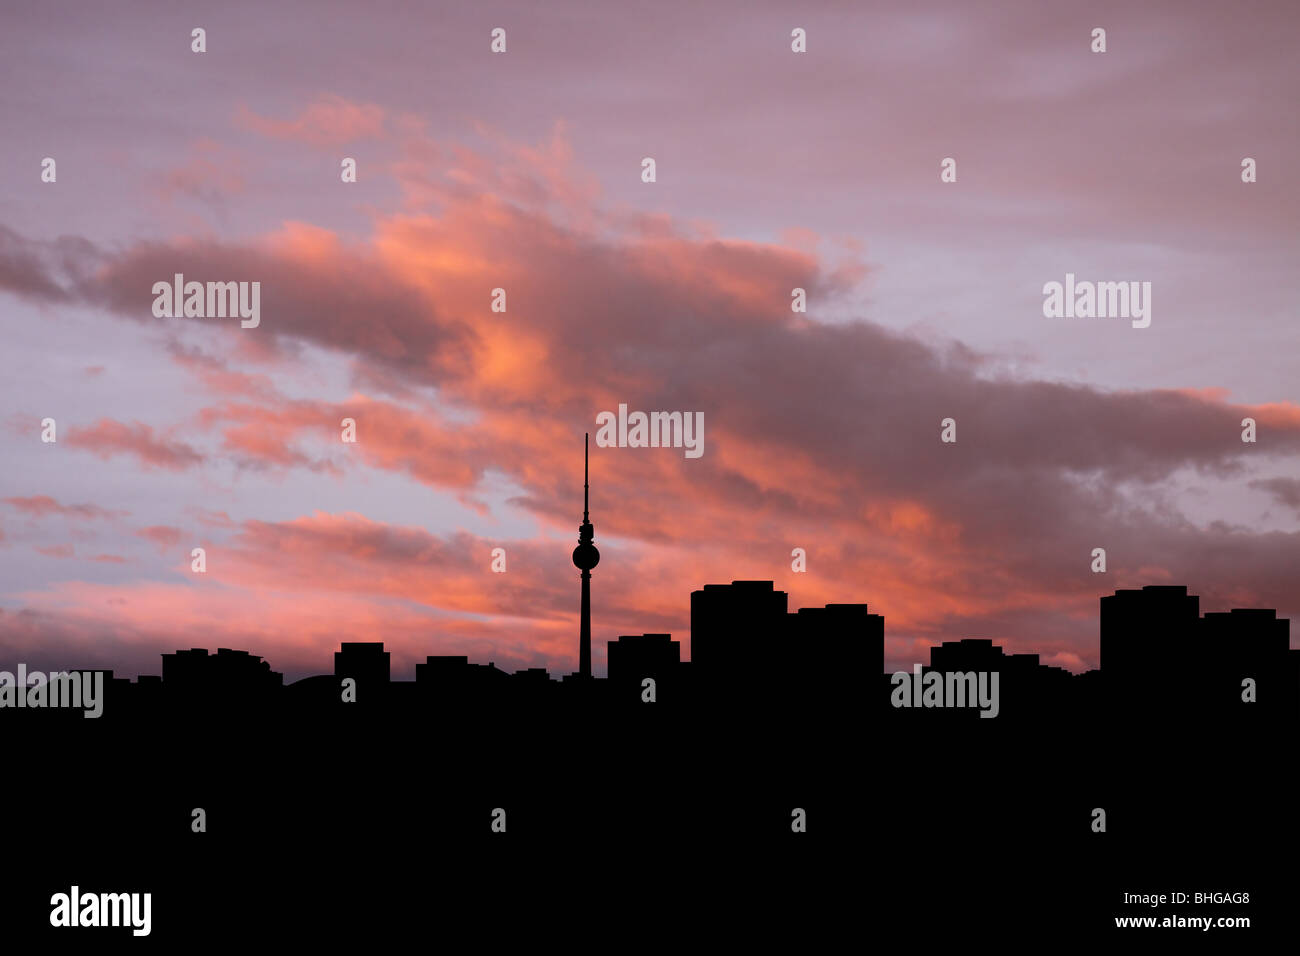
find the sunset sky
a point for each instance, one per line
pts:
(522, 170)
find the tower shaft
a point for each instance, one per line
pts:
(584, 631)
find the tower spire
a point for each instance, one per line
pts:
(585, 445)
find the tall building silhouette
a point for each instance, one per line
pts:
(1149, 652)
(737, 631)
(585, 557)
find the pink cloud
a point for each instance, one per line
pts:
(41, 506)
(107, 438)
(329, 121)
(210, 173)
(164, 537)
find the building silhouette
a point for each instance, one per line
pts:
(633, 658)
(368, 664)
(735, 632)
(196, 678)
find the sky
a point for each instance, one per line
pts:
(522, 170)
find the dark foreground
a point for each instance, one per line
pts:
(658, 824)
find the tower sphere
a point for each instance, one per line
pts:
(585, 556)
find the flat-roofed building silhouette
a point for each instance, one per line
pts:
(1248, 643)
(1026, 687)
(634, 657)
(1159, 657)
(451, 680)
(1142, 630)
(195, 676)
(367, 663)
(832, 647)
(736, 632)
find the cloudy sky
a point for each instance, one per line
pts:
(522, 170)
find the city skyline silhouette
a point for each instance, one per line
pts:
(758, 746)
(1164, 657)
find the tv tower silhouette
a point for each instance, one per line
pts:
(586, 557)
